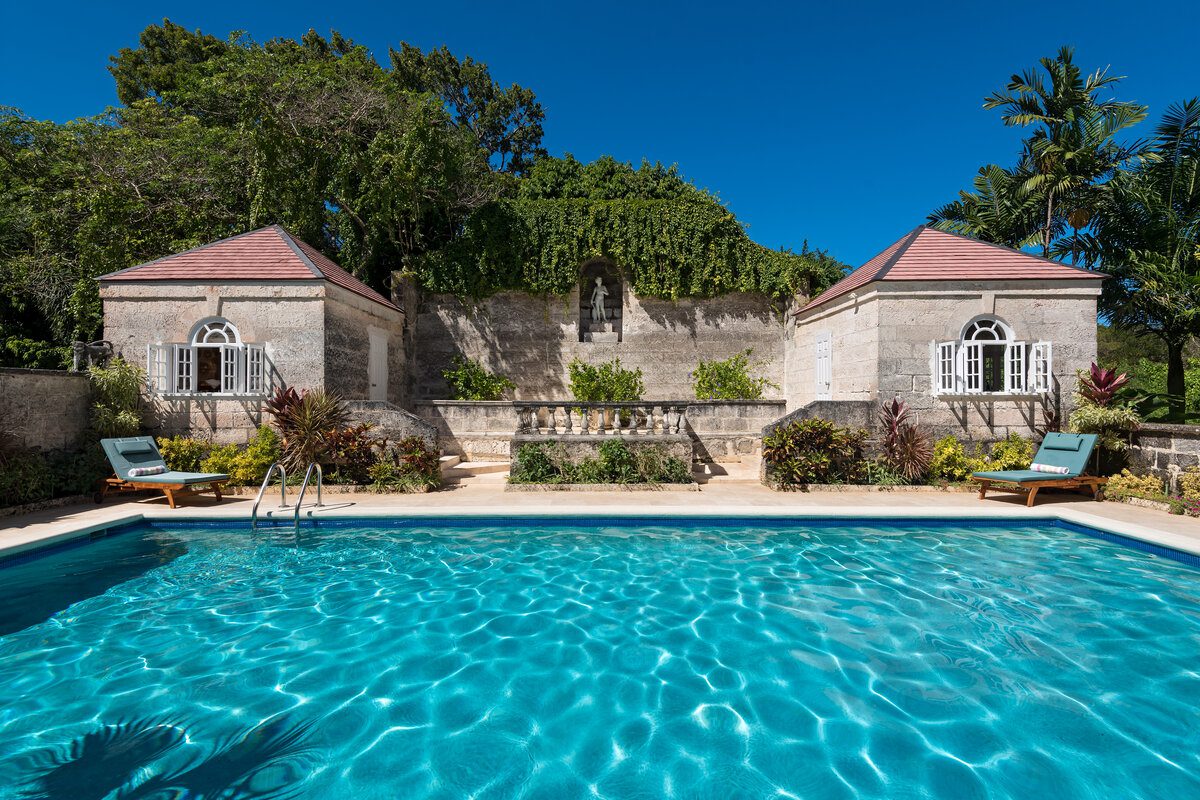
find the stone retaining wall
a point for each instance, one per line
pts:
(1165, 450)
(720, 430)
(46, 409)
(531, 339)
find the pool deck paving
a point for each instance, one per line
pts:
(488, 498)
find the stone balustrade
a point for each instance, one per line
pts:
(561, 418)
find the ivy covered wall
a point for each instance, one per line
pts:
(667, 249)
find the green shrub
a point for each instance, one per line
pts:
(25, 477)
(408, 465)
(245, 466)
(349, 454)
(117, 398)
(880, 472)
(950, 460)
(1189, 484)
(184, 453)
(616, 463)
(729, 379)
(813, 451)
(1126, 484)
(469, 380)
(605, 383)
(1012, 452)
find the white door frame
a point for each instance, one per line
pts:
(377, 365)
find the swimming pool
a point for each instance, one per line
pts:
(562, 658)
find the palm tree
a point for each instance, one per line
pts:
(998, 210)
(1146, 235)
(1074, 147)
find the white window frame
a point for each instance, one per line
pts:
(171, 368)
(958, 366)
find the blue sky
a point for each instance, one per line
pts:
(840, 123)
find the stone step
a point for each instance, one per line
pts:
(491, 470)
(600, 327)
(447, 463)
(729, 471)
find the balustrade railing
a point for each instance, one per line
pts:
(542, 418)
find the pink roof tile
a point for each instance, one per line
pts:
(267, 254)
(926, 254)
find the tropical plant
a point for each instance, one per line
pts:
(1100, 386)
(470, 380)
(351, 452)
(813, 451)
(117, 398)
(306, 421)
(408, 465)
(950, 461)
(906, 447)
(1188, 483)
(729, 379)
(999, 209)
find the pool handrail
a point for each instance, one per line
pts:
(304, 488)
(262, 490)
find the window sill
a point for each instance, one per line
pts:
(989, 396)
(209, 396)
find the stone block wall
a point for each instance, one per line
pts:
(532, 339)
(349, 320)
(1165, 450)
(44, 409)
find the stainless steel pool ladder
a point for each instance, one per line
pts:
(263, 490)
(304, 487)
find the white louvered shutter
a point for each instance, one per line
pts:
(158, 368)
(1043, 366)
(255, 369)
(945, 372)
(1014, 367)
(972, 367)
(183, 368)
(230, 362)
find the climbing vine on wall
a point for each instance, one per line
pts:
(665, 248)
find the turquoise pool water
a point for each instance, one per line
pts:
(623, 659)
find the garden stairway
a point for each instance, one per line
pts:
(455, 471)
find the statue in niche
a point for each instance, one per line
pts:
(599, 312)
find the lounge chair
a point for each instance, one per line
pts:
(139, 466)
(1059, 463)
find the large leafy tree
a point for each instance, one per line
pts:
(999, 209)
(507, 123)
(1146, 236)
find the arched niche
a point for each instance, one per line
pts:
(600, 311)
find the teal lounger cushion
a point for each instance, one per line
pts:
(1020, 476)
(183, 477)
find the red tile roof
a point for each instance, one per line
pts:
(267, 254)
(926, 254)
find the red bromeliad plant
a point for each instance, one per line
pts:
(905, 446)
(1100, 386)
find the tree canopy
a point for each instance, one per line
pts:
(399, 167)
(1128, 208)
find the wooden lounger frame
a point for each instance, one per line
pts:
(1081, 483)
(173, 491)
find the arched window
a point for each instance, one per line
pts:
(214, 360)
(989, 359)
(215, 332)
